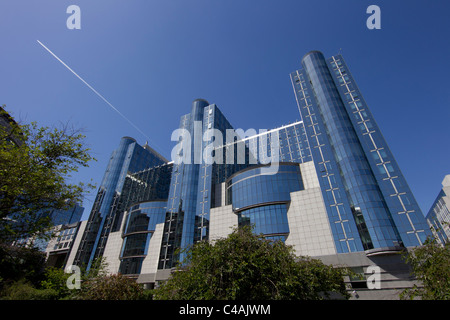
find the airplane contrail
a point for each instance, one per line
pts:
(95, 91)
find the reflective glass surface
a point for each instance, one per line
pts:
(402, 207)
(145, 216)
(182, 212)
(438, 217)
(109, 205)
(260, 200)
(131, 266)
(357, 172)
(249, 187)
(135, 244)
(270, 220)
(141, 221)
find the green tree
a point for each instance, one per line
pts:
(23, 290)
(430, 264)
(110, 287)
(36, 164)
(97, 284)
(246, 266)
(56, 280)
(20, 264)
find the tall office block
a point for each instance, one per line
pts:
(438, 216)
(105, 214)
(59, 248)
(368, 201)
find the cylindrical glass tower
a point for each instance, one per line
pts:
(371, 213)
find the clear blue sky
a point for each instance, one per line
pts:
(151, 59)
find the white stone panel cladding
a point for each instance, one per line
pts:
(309, 229)
(150, 263)
(112, 252)
(222, 222)
(76, 244)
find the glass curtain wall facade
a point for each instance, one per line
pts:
(189, 203)
(128, 157)
(369, 203)
(336, 187)
(69, 216)
(289, 139)
(439, 218)
(262, 200)
(146, 185)
(192, 189)
(140, 224)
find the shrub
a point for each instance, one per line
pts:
(110, 287)
(23, 290)
(246, 266)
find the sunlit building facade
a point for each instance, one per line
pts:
(369, 203)
(113, 198)
(438, 216)
(327, 185)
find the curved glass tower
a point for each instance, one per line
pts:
(106, 212)
(181, 215)
(360, 179)
(262, 200)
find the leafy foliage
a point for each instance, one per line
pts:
(21, 272)
(23, 290)
(35, 166)
(110, 287)
(430, 264)
(18, 263)
(245, 266)
(95, 285)
(56, 280)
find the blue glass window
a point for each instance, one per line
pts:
(269, 220)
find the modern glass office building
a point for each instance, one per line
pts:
(109, 205)
(140, 224)
(189, 202)
(368, 201)
(438, 217)
(327, 185)
(262, 200)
